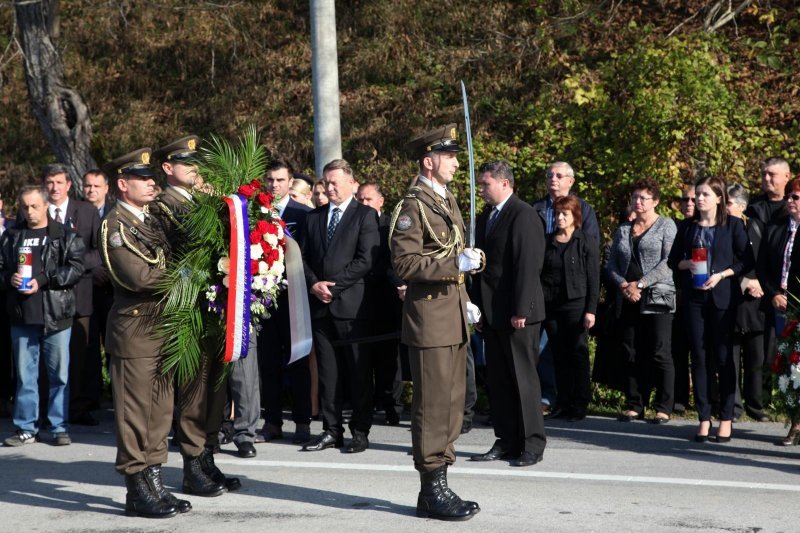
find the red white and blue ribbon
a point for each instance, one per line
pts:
(237, 331)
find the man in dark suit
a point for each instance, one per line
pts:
(509, 295)
(275, 346)
(386, 292)
(339, 245)
(81, 217)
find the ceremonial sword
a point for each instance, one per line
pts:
(471, 167)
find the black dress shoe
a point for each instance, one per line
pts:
(324, 441)
(392, 418)
(466, 427)
(245, 450)
(358, 443)
(758, 416)
(494, 454)
(302, 434)
(526, 458)
(84, 419)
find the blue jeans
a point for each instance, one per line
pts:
(27, 343)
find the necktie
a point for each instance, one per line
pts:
(334, 222)
(58, 216)
(492, 220)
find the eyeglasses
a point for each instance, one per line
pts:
(794, 197)
(559, 176)
(688, 199)
(637, 198)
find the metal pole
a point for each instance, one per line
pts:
(325, 83)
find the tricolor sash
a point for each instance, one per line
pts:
(237, 316)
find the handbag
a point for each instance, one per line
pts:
(658, 299)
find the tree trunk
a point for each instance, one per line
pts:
(61, 111)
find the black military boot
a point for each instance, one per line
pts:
(195, 481)
(472, 506)
(153, 475)
(142, 501)
(437, 501)
(210, 469)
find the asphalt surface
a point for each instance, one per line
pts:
(597, 475)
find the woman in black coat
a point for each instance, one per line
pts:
(711, 307)
(571, 286)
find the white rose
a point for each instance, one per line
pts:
(277, 269)
(225, 281)
(224, 265)
(271, 239)
(256, 251)
(795, 376)
(783, 382)
(264, 210)
(280, 231)
(262, 268)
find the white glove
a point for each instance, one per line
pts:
(469, 259)
(473, 313)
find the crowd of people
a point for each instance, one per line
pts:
(392, 298)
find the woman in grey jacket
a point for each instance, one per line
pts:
(637, 266)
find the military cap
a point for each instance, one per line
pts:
(438, 140)
(136, 163)
(180, 151)
(301, 176)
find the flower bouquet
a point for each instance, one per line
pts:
(786, 369)
(227, 274)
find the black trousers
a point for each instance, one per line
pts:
(748, 361)
(274, 350)
(646, 345)
(515, 395)
(336, 362)
(711, 332)
(569, 341)
(385, 358)
(680, 356)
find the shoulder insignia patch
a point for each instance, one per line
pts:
(115, 240)
(403, 222)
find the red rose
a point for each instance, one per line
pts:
(256, 184)
(255, 236)
(272, 229)
(777, 364)
(794, 357)
(262, 226)
(274, 255)
(265, 199)
(253, 267)
(246, 190)
(265, 247)
(789, 328)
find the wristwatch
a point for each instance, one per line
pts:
(640, 285)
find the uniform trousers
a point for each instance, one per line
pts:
(334, 363)
(439, 376)
(515, 394)
(200, 402)
(143, 401)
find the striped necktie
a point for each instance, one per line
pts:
(334, 222)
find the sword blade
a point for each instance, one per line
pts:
(471, 167)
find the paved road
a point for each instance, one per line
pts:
(598, 475)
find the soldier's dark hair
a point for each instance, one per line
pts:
(96, 172)
(372, 183)
(54, 169)
(278, 164)
(499, 170)
(338, 164)
(27, 189)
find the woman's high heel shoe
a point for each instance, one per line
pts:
(793, 438)
(703, 438)
(724, 439)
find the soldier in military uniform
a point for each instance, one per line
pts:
(200, 401)
(133, 249)
(427, 241)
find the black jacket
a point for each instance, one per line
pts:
(62, 268)
(588, 223)
(770, 260)
(580, 270)
(731, 249)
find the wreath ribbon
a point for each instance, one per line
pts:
(237, 317)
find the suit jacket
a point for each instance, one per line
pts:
(770, 260)
(83, 219)
(514, 248)
(133, 253)
(295, 216)
(730, 249)
(346, 260)
(435, 308)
